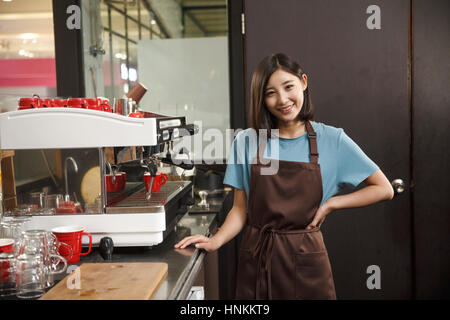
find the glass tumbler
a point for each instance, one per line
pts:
(30, 276)
(11, 229)
(44, 243)
(53, 201)
(38, 198)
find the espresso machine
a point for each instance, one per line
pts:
(130, 215)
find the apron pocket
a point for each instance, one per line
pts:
(313, 277)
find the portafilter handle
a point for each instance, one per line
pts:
(152, 169)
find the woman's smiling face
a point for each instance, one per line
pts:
(283, 95)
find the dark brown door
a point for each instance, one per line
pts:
(358, 79)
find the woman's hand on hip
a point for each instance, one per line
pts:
(200, 241)
(320, 216)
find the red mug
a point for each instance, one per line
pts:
(68, 207)
(119, 183)
(29, 103)
(105, 105)
(47, 103)
(72, 235)
(77, 103)
(59, 103)
(136, 115)
(6, 245)
(158, 181)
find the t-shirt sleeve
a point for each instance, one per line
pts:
(353, 165)
(234, 174)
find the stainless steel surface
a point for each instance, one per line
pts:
(138, 203)
(203, 195)
(124, 106)
(398, 185)
(148, 195)
(189, 260)
(183, 264)
(101, 159)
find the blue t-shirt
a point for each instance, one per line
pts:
(341, 160)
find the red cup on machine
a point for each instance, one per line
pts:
(77, 103)
(136, 115)
(116, 184)
(105, 105)
(158, 181)
(29, 103)
(47, 103)
(72, 235)
(94, 104)
(59, 103)
(6, 245)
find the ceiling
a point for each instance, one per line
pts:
(26, 27)
(209, 16)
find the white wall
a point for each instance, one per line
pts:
(187, 77)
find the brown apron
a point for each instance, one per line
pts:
(279, 258)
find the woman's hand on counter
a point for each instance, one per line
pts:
(200, 241)
(233, 224)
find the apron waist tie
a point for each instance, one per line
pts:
(264, 243)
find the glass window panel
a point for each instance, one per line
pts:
(145, 15)
(117, 22)
(27, 36)
(119, 67)
(145, 33)
(118, 5)
(156, 31)
(133, 30)
(104, 14)
(108, 74)
(133, 71)
(133, 12)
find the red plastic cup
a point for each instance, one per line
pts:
(105, 105)
(77, 103)
(94, 104)
(59, 103)
(158, 181)
(7, 273)
(6, 245)
(47, 103)
(72, 235)
(136, 115)
(119, 183)
(29, 103)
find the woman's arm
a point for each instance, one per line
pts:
(232, 225)
(378, 189)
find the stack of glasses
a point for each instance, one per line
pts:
(28, 259)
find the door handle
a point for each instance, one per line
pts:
(398, 185)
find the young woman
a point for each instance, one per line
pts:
(283, 255)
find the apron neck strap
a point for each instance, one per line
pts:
(312, 136)
(313, 153)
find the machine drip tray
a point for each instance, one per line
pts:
(133, 199)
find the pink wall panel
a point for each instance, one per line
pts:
(28, 72)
